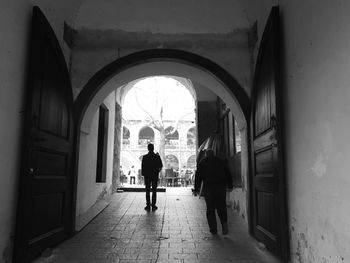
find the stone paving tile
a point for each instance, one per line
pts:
(176, 233)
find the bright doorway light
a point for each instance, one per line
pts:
(160, 110)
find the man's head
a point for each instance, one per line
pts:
(150, 147)
(209, 152)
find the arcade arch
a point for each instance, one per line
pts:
(191, 162)
(146, 135)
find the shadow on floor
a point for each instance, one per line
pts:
(176, 232)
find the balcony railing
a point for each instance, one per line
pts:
(144, 142)
(172, 144)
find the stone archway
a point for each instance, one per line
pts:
(161, 62)
(164, 62)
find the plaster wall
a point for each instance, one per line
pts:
(15, 21)
(86, 61)
(162, 16)
(238, 198)
(107, 30)
(258, 11)
(317, 108)
(207, 119)
(203, 93)
(88, 191)
(14, 17)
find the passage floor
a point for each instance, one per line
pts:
(176, 232)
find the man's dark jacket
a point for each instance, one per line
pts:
(151, 165)
(213, 171)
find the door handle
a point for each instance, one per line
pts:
(31, 171)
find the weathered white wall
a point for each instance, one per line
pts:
(167, 16)
(316, 60)
(238, 198)
(317, 79)
(15, 21)
(88, 191)
(108, 30)
(86, 61)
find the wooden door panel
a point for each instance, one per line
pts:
(265, 140)
(50, 163)
(266, 212)
(262, 111)
(48, 209)
(264, 161)
(268, 183)
(265, 106)
(265, 184)
(53, 111)
(45, 197)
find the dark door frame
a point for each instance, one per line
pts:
(100, 78)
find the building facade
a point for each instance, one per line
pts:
(180, 145)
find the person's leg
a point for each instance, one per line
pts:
(210, 202)
(148, 190)
(154, 192)
(220, 197)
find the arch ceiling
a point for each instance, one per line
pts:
(146, 133)
(174, 68)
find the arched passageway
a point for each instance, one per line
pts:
(161, 62)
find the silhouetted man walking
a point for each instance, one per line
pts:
(150, 168)
(216, 178)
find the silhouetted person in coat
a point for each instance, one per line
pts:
(150, 168)
(216, 178)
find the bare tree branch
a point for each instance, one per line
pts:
(139, 104)
(174, 129)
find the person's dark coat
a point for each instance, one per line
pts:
(213, 171)
(151, 165)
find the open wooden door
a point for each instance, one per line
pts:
(268, 196)
(45, 198)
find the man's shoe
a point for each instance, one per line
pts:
(148, 208)
(154, 207)
(224, 229)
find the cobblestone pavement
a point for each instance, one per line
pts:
(176, 232)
